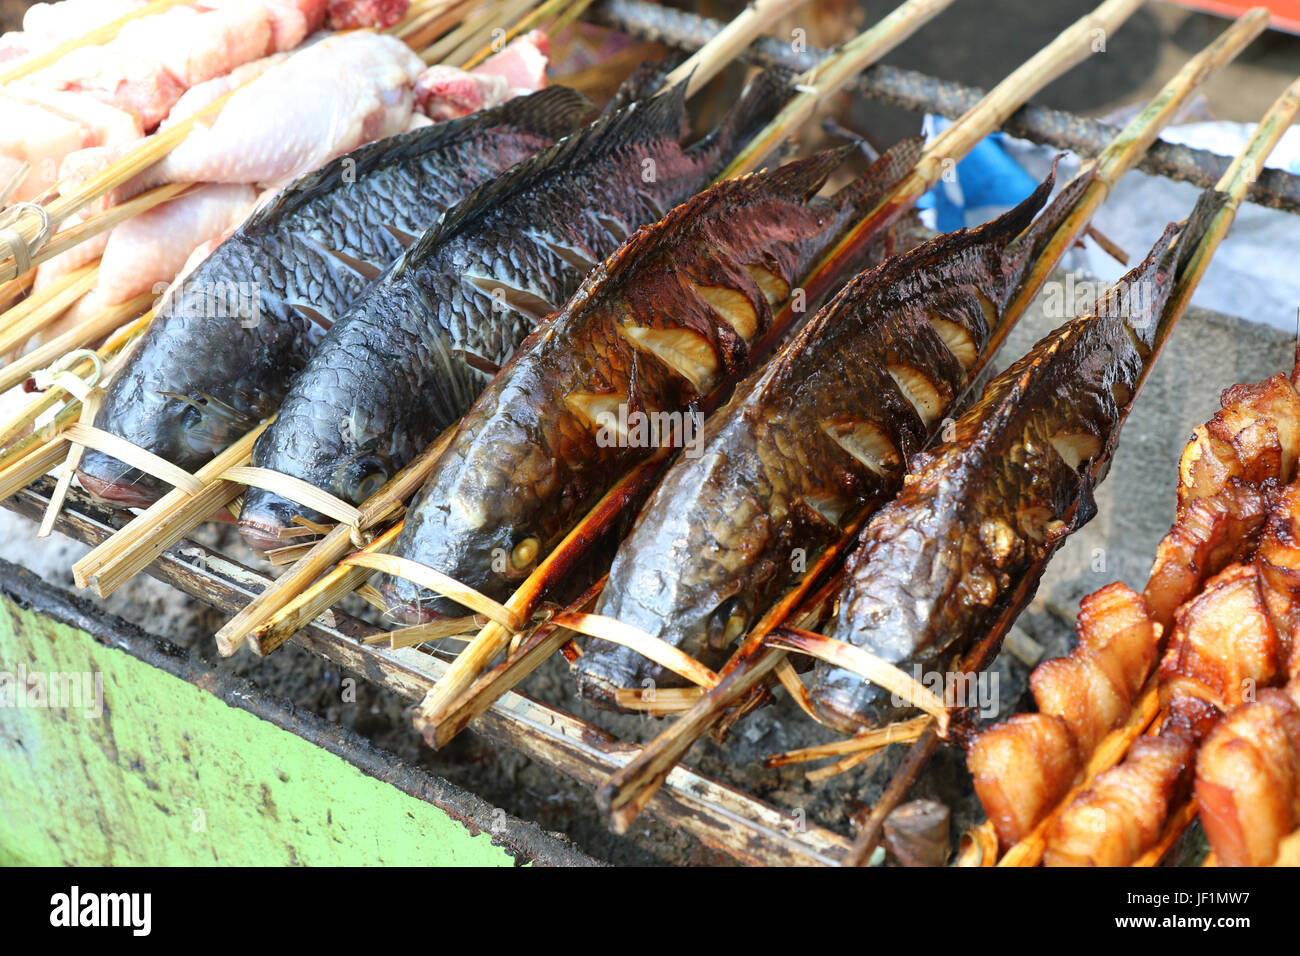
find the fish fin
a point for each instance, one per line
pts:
(643, 82)
(551, 112)
(895, 163)
(758, 104)
(641, 122)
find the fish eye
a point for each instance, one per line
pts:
(525, 553)
(369, 477)
(726, 623)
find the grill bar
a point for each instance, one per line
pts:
(921, 93)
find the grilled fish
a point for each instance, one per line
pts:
(615, 374)
(811, 439)
(937, 565)
(220, 354)
(414, 352)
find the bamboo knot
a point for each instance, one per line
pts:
(20, 249)
(61, 374)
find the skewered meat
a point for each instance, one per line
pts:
(1094, 687)
(444, 92)
(1022, 768)
(1123, 813)
(1248, 779)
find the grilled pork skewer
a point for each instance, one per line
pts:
(1018, 776)
(1248, 778)
(412, 354)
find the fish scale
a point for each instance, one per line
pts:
(673, 313)
(191, 362)
(724, 534)
(421, 344)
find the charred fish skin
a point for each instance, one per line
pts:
(390, 378)
(220, 354)
(937, 565)
(811, 439)
(650, 333)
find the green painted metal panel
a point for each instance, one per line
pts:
(168, 774)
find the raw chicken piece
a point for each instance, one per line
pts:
(148, 251)
(199, 96)
(151, 248)
(341, 92)
(522, 62)
(43, 126)
(446, 92)
(52, 270)
(196, 45)
(46, 25)
(138, 84)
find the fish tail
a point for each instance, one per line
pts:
(893, 165)
(757, 106)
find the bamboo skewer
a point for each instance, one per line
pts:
(627, 791)
(37, 311)
(543, 13)
(1122, 155)
(871, 740)
(832, 75)
(732, 39)
(162, 524)
(79, 336)
(95, 37)
(493, 639)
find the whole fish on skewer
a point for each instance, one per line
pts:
(820, 433)
(651, 333)
(220, 355)
(981, 511)
(413, 353)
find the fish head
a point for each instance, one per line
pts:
(347, 448)
(489, 544)
(353, 477)
(186, 430)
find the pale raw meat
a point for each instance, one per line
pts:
(137, 84)
(42, 138)
(352, 14)
(147, 251)
(522, 63)
(320, 103)
(446, 92)
(197, 97)
(52, 270)
(44, 126)
(195, 46)
(49, 24)
(13, 47)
